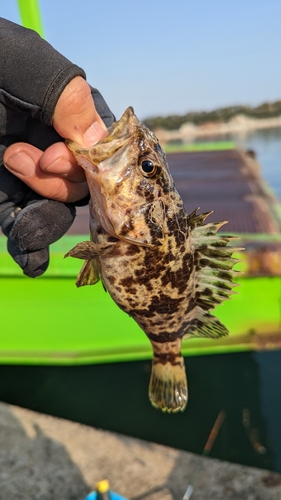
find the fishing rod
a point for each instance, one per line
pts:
(30, 15)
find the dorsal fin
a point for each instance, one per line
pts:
(212, 276)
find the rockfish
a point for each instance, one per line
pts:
(163, 267)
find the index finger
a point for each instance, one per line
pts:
(23, 160)
(57, 159)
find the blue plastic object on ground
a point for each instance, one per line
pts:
(112, 496)
(103, 492)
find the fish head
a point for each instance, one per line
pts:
(129, 181)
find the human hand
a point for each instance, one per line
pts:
(54, 173)
(44, 98)
(30, 219)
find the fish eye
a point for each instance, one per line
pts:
(148, 168)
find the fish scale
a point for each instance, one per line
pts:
(163, 267)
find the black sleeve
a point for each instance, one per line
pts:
(32, 77)
(25, 58)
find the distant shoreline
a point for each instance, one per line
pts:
(240, 124)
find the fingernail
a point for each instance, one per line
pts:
(94, 134)
(60, 166)
(21, 163)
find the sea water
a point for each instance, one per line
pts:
(266, 143)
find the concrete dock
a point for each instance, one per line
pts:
(47, 458)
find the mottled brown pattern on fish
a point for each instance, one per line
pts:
(163, 267)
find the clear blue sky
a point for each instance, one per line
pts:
(165, 57)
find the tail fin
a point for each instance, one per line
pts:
(168, 385)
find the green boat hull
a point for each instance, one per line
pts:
(49, 321)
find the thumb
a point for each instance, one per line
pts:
(75, 116)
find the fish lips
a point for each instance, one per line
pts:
(81, 155)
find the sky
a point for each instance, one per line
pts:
(169, 57)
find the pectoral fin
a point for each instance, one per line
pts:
(86, 250)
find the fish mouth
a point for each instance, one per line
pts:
(81, 156)
(119, 136)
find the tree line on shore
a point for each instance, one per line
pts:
(173, 122)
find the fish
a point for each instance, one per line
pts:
(163, 267)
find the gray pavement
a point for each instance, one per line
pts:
(47, 458)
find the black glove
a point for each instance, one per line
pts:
(31, 222)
